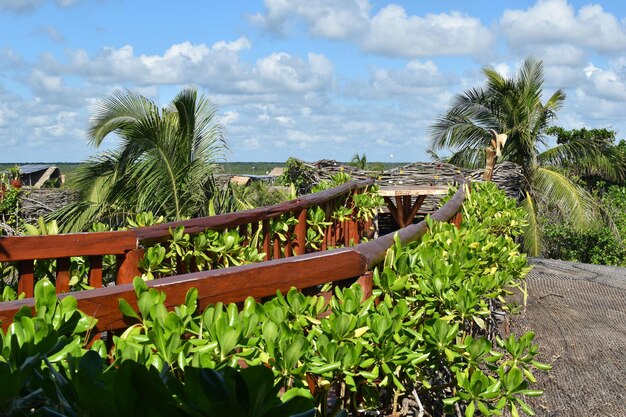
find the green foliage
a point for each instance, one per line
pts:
(9, 208)
(614, 202)
(299, 174)
(513, 106)
(204, 251)
(429, 331)
(164, 162)
(488, 207)
(14, 172)
(603, 243)
(359, 161)
(597, 245)
(608, 161)
(259, 194)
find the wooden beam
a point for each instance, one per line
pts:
(226, 285)
(21, 248)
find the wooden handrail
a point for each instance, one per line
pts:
(160, 232)
(257, 280)
(18, 248)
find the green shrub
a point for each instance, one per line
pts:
(428, 332)
(603, 244)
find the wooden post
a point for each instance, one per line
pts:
(26, 280)
(63, 275)
(95, 271)
(276, 247)
(367, 284)
(128, 266)
(491, 163)
(266, 239)
(300, 232)
(457, 220)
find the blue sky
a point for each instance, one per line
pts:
(311, 79)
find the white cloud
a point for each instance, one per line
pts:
(20, 6)
(28, 6)
(229, 117)
(234, 46)
(217, 67)
(395, 33)
(608, 84)
(294, 74)
(333, 19)
(391, 31)
(284, 120)
(417, 78)
(553, 22)
(9, 58)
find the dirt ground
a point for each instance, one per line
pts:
(578, 313)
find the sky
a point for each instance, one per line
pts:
(312, 79)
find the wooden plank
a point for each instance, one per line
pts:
(256, 280)
(288, 246)
(300, 232)
(226, 285)
(20, 248)
(406, 209)
(160, 232)
(63, 275)
(95, 271)
(128, 266)
(266, 239)
(374, 250)
(457, 220)
(412, 190)
(367, 284)
(392, 210)
(416, 206)
(26, 279)
(276, 247)
(400, 211)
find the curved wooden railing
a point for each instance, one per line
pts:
(235, 284)
(128, 246)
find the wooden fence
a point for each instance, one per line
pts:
(232, 284)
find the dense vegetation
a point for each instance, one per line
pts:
(513, 106)
(209, 249)
(427, 339)
(164, 162)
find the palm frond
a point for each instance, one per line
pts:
(576, 204)
(532, 235)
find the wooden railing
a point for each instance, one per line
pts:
(232, 284)
(128, 246)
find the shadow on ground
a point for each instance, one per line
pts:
(578, 313)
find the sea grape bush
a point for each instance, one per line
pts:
(426, 339)
(206, 250)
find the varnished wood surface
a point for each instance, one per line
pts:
(225, 285)
(412, 190)
(257, 280)
(160, 232)
(19, 248)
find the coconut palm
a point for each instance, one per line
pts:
(164, 161)
(359, 161)
(513, 106)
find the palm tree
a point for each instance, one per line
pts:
(164, 162)
(513, 106)
(359, 161)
